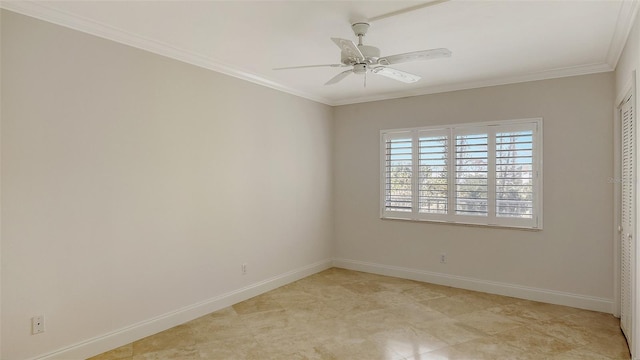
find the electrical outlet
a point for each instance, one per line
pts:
(443, 258)
(37, 324)
(244, 269)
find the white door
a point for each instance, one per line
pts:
(628, 226)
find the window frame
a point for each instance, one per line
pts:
(489, 128)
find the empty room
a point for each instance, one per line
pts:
(445, 179)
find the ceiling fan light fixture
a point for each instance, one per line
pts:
(360, 68)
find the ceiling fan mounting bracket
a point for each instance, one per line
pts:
(360, 28)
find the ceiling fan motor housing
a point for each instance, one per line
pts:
(371, 54)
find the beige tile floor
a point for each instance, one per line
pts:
(342, 314)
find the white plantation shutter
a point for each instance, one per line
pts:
(514, 173)
(628, 226)
(517, 183)
(472, 174)
(486, 174)
(398, 172)
(433, 178)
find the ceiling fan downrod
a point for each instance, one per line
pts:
(360, 30)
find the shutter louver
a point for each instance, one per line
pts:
(472, 174)
(399, 174)
(433, 174)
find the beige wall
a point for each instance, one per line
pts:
(134, 185)
(573, 254)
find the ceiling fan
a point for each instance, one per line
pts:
(365, 58)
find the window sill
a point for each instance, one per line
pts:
(446, 222)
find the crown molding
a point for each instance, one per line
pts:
(544, 75)
(626, 17)
(43, 12)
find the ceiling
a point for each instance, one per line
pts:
(493, 42)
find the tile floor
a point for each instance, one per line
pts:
(343, 314)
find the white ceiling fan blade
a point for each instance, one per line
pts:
(339, 77)
(348, 47)
(396, 74)
(415, 56)
(310, 66)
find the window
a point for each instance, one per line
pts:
(484, 174)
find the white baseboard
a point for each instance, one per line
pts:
(493, 287)
(123, 336)
(102, 343)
